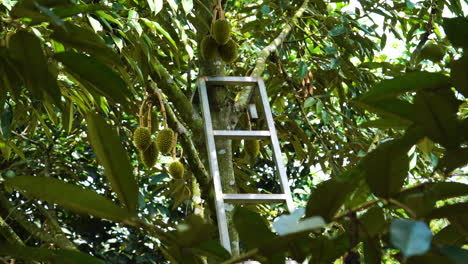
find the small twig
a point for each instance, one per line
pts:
(357, 209)
(406, 208)
(141, 113)
(161, 105)
(148, 119)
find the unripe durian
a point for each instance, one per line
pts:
(229, 51)
(252, 147)
(142, 138)
(150, 155)
(433, 52)
(176, 170)
(209, 48)
(165, 140)
(221, 31)
(154, 121)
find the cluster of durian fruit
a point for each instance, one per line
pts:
(164, 143)
(220, 43)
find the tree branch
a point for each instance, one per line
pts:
(260, 65)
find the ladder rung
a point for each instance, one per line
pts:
(231, 80)
(239, 134)
(254, 198)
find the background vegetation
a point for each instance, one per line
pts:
(369, 100)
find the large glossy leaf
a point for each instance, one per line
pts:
(386, 168)
(409, 82)
(459, 74)
(449, 236)
(49, 255)
(456, 255)
(102, 79)
(69, 196)
(454, 158)
(26, 50)
(449, 210)
(85, 40)
(391, 108)
(411, 237)
(455, 28)
(110, 152)
(327, 198)
(387, 123)
(436, 113)
(252, 228)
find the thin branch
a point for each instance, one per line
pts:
(260, 65)
(246, 256)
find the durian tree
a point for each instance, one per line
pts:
(103, 157)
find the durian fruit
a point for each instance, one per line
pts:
(150, 155)
(229, 51)
(142, 138)
(221, 31)
(176, 169)
(154, 121)
(252, 147)
(209, 48)
(165, 140)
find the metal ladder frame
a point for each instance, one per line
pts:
(220, 197)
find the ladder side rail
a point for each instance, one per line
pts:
(214, 167)
(275, 145)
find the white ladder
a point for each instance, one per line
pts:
(220, 197)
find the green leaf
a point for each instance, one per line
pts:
(78, 9)
(187, 5)
(459, 74)
(49, 255)
(155, 5)
(411, 237)
(5, 121)
(373, 222)
(436, 113)
(387, 123)
(456, 255)
(389, 108)
(193, 231)
(372, 251)
(409, 82)
(455, 28)
(327, 198)
(85, 40)
(449, 210)
(102, 79)
(453, 159)
(386, 168)
(110, 152)
(69, 196)
(252, 228)
(449, 236)
(212, 249)
(26, 49)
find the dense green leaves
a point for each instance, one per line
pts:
(252, 228)
(110, 152)
(95, 76)
(26, 50)
(69, 196)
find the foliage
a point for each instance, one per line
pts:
(391, 132)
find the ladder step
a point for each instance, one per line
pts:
(231, 80)
(240, 134)
(254, 198)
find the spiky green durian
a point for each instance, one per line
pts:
(150, 155)
(154, 121)
(209, 48)
(165, 140)
(142, 138)
(228, 52)
(221, 31)
(176, 170)
(252, 147)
